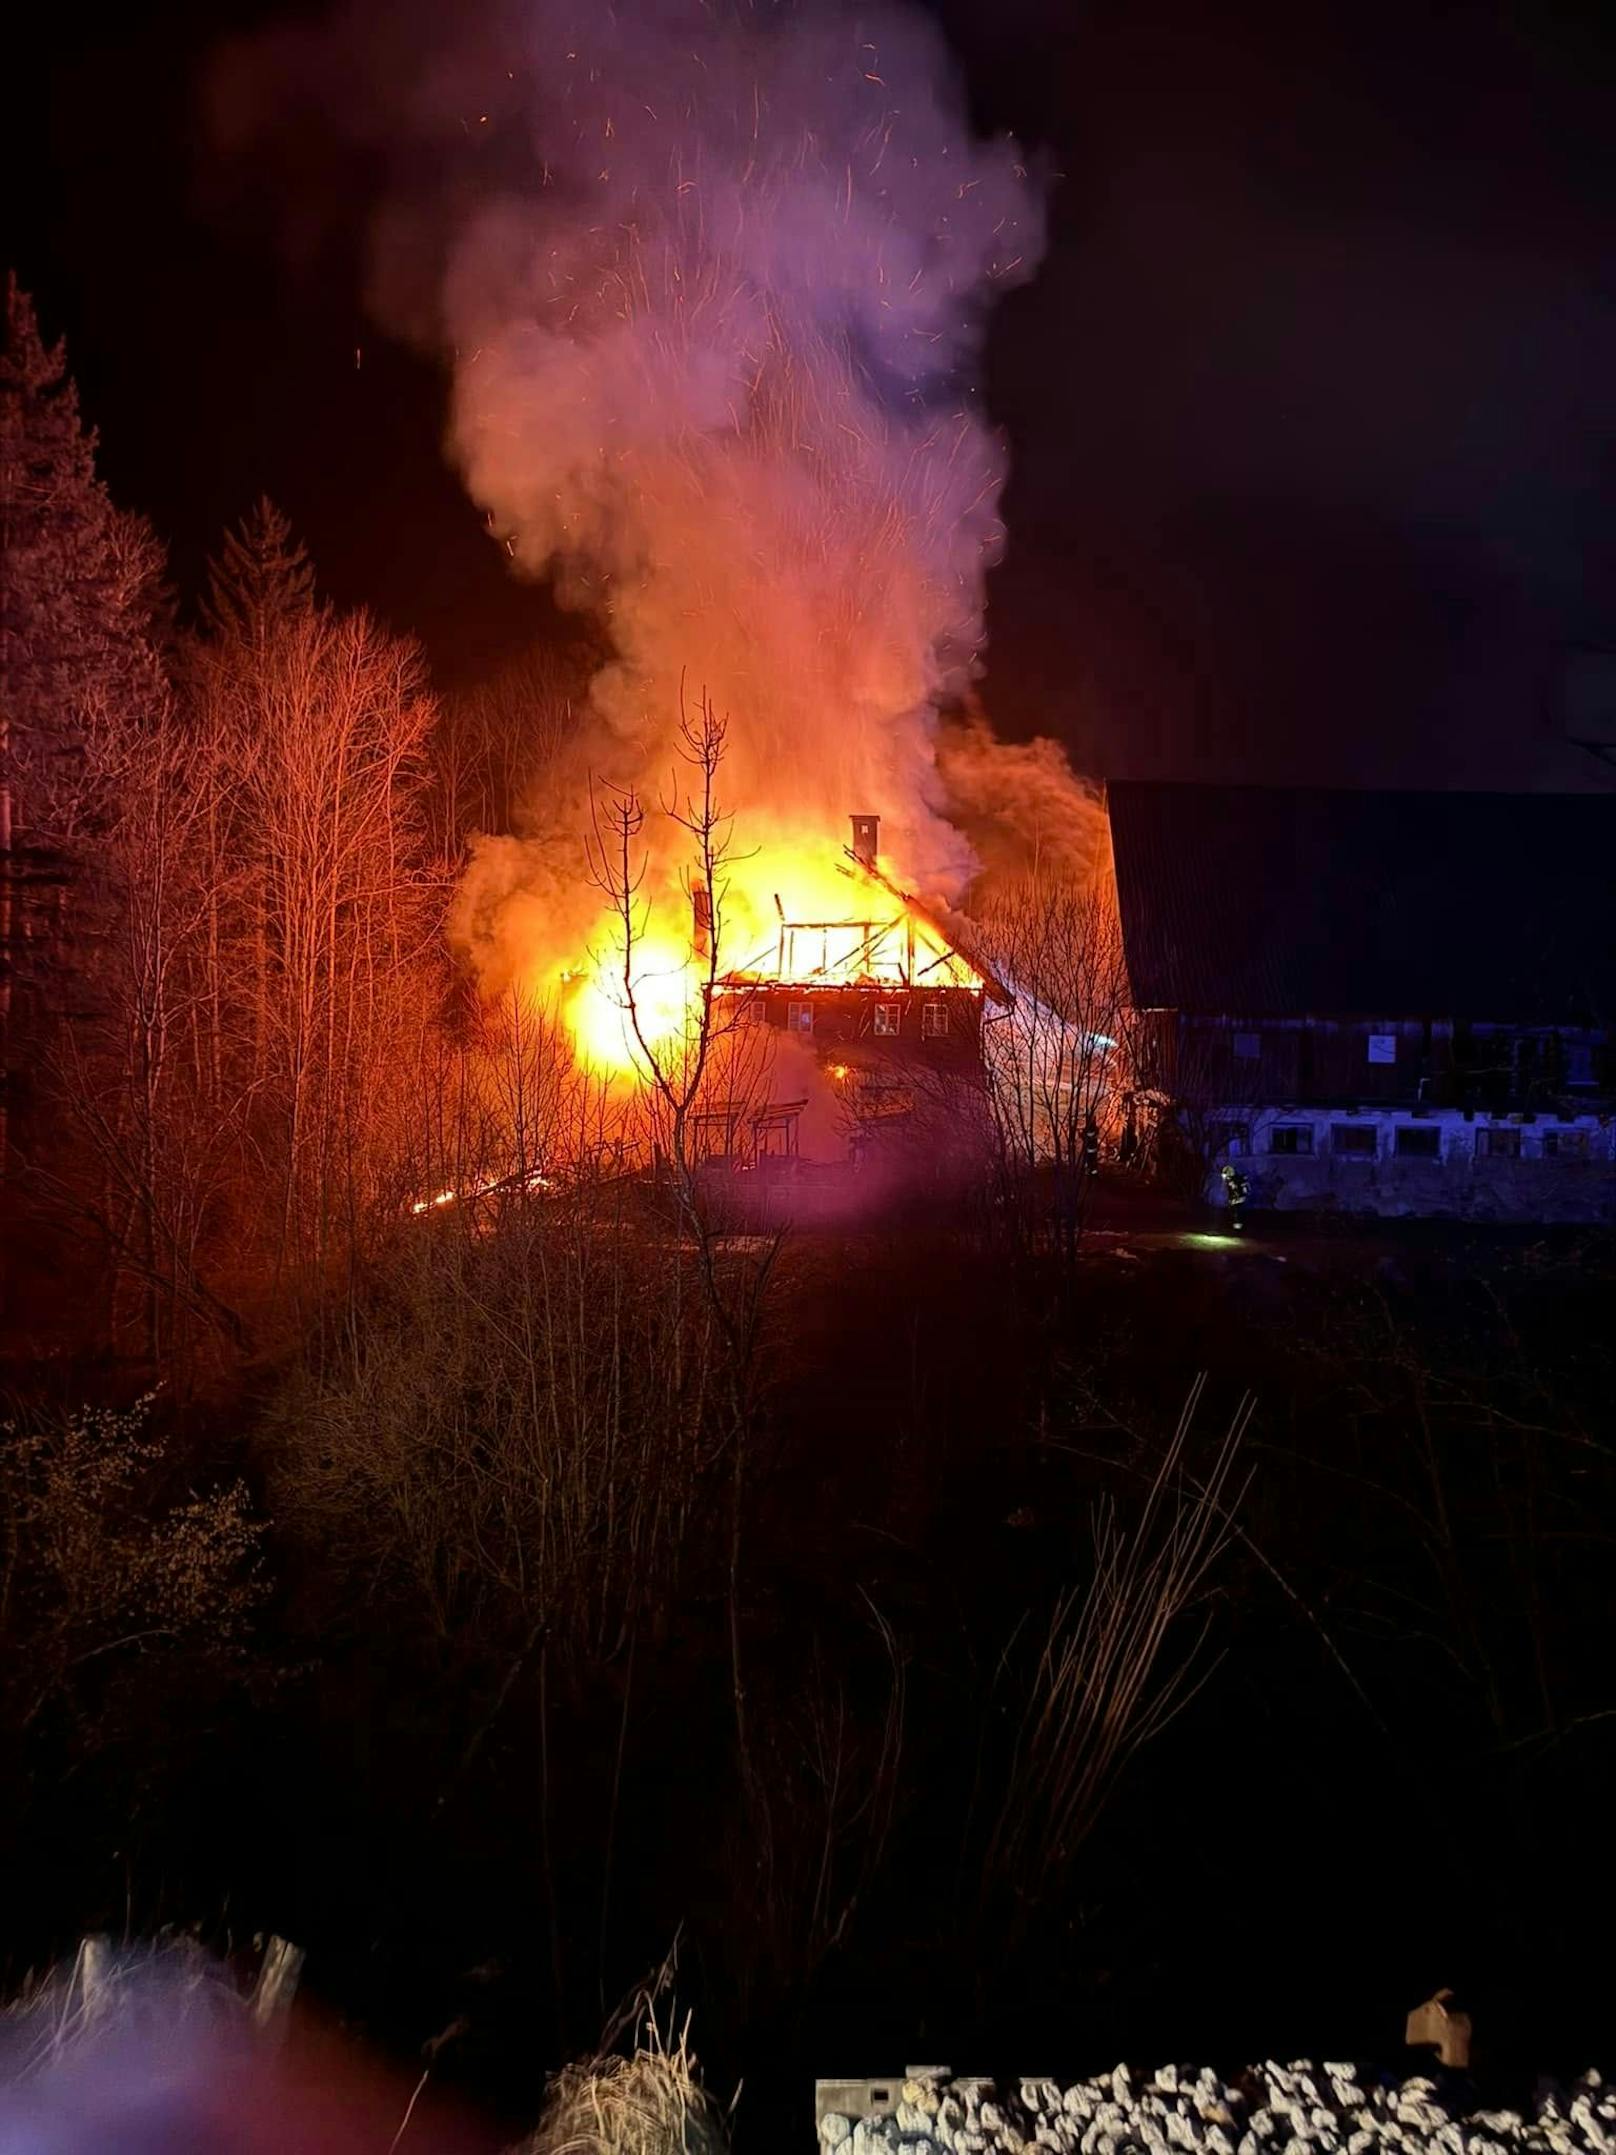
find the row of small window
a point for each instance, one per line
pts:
(888, 1020)
(1410, 1141)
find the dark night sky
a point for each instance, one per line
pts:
(1314, 467)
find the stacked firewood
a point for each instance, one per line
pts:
(1300, 2109)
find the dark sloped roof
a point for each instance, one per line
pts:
(1269, 901)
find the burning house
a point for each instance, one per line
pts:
(715, 378)
(873, 1021)
(1401, 1003)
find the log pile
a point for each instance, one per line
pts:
(1298, 2109)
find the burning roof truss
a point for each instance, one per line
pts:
(902, 948)
(898, 952)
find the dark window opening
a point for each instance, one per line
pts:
(880, 1101)
(889, 1019)
(1420, 1141)
(714, 1134)
(777, 1135)
(1498, 1143)
(1565, 1144)
(1294, 1138)
(799, 1017)
(1353, 1140)
(934, 1021)
(1231, 1137)
(1579, 1063)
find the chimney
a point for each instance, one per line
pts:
(866, 840)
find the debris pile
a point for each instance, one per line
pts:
(1299, 2109)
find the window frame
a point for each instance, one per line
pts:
(1298, 1130)
(1488, 1135)
(767, 1128)
(1403, 1150)
(799, 1017)
(888, 1021)
(882, 1098)
(1567, 1144)
(1339, 1151)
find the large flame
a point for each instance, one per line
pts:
(621, 1017)
(800, 916)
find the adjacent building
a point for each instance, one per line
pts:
(1401, 1003)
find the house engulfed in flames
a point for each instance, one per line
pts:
(874, 1027)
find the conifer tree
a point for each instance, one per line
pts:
(260, 579)
(73, 637)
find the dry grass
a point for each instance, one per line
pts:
(649, 2103)
(122, 2004)
(521, 1432)
(1114, 1668)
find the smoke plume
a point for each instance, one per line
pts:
(712, 282)
(1022, 810)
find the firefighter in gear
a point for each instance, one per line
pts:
(1235, 1188)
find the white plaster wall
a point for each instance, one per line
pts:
(1462, 1182)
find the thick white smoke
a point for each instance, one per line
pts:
(712, 278)
(717, 373)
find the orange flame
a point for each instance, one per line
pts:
(788, 916)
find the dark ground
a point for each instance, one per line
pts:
(1396, 1774)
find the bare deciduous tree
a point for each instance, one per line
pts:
(1056, 1060)
(316, 968)
(676, 1072)
(711, 1062)
(498, 744)
(250, 1070)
